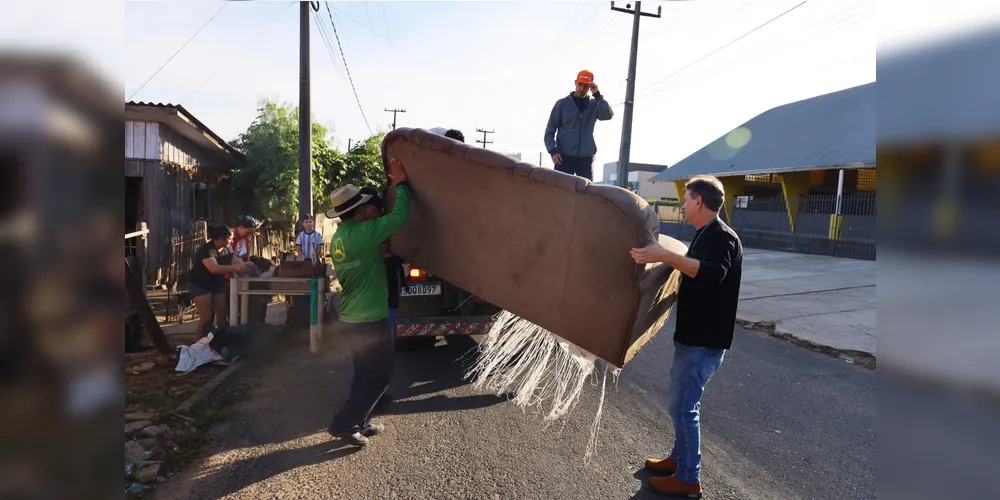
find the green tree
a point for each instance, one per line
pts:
(361, 166)
(268, 185)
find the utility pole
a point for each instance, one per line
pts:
(484, 142)
(539, 159)
(305, 112)
(623, 155)
(394, 111)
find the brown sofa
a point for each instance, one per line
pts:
(547, 246)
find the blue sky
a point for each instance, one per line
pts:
(498, 65)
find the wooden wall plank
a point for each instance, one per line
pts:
(129, 153)
(152, 141)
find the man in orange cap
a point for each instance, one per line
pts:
(569, 135)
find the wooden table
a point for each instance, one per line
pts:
(240, 290)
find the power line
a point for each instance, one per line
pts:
(347, 68)
(325, 35)
(359, 23)
(385, 21)
(369, 14)
(706, 56)
(231, 60)
(586, 23)
(561, 33)
(164, 65)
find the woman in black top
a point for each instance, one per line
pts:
(212, 261)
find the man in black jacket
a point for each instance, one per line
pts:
(569, 134)
(706, 317)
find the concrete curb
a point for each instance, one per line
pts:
(863, 359)
(224, 379)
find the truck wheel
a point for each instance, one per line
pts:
(417, 343)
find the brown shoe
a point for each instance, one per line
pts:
(665, 466)
(673, 487)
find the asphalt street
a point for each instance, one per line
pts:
(778, 422)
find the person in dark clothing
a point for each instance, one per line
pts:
(207, 280)
(711, 272)
(569, 134)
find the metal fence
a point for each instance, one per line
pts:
(762, 222)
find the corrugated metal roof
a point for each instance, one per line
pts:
(835, 130)
(940, 92)
(635, 167)
(177, 108)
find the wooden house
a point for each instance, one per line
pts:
(177, 174)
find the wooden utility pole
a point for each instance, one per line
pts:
(626, 146)
(484, 142)
(394, 111)
(305, 112)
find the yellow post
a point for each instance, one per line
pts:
(793, 185)
(679, 184)
(836, 226)
(733, 186)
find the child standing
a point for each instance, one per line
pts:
(310, 242)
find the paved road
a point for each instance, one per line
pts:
(779, 422)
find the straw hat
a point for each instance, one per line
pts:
(344, 199)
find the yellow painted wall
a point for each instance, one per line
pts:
(793, 185)
(733, 187)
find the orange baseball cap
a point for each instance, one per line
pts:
(585, 77)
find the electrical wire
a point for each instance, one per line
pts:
(561, 33)
(590, 19)
(359, 23)
(706, 56)
(385, 21)
(232, 59)
(328, 43)
(347, 68)
(164, 65)
(369, 14)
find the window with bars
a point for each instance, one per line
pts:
(763, 178)
(866, 179)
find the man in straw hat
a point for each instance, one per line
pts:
(569, 134)
(356, 252)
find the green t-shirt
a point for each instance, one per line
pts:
(356, 251)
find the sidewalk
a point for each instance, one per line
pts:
(827, 301)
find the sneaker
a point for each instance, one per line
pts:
(665, 466)
(374, 430)
(353, 439)
(674, 488)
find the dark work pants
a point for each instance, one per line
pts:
(582, 166)
(372, 355)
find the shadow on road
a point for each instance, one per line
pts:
(258, 469)
(432, 372)
(644, 492)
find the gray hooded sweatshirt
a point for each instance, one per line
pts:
(570, 132)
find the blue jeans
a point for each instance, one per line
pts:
(693, 367)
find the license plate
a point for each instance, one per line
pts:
(420, 290)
